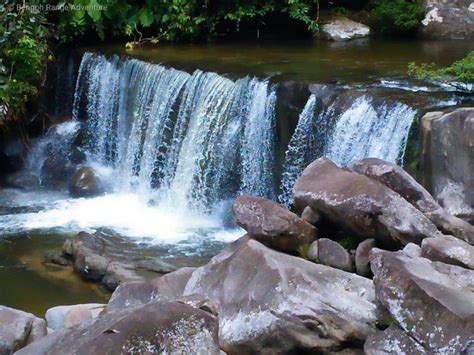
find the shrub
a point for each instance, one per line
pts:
(399, 17)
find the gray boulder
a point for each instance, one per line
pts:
(362, 257)
(447, 159)
(313, 252)
(343, 29)
(431, 302)
(448, 250)
(159, 327)
(392, 340)
(270, 302)
(18, 329)
(360, 205)
(333, 254)
(448, 19)
(85, 183)
(61, 317)
(397, 179)
(272, 224)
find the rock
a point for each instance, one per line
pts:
(448, 19)
(61, 317)
(85, 183)
(159, 327)
(55, 172)
(448, 250)
(270, 302)
(333, 254)
(447, 159)
(18, 329)
(110, 261)
(412, 250)
(313, 252)
(392, 340)
(56, 257)
(360, 205)
(362, 254)
(432, 302)
(311, 216)
(397, 179)
(272, 224)
(343, 29)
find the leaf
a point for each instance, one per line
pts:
(93, 10)
(145, 17)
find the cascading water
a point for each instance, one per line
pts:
(362, 130)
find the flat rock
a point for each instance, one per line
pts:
(272, 224)
(271, 302)
(448, 250)
(18, 329)
(333, 254)
(397, 179)
(61, 317)
(159, 327)
(360, 205)
(431, 302)
(343, 29)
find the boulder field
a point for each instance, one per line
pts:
(366, 262)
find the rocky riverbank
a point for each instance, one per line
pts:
(368, 261)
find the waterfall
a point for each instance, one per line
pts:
(188, 139)
(345, 135)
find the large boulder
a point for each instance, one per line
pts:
(361, 205)
(448, 250)
(272, 224)
(85, 183)
(447, 159)
(61, 317)
(448, 19)
(397, 179)
(270, 302)
(18, 329)
(159, 327)
(432, 302)
(343, 29)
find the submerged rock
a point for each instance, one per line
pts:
(160, 327)
(85, 183)
(397, 179)
(343, 29)
(18, 329)
(360, 205)
(270, 302)
(432, 302)
(447, 159)
(272, 224)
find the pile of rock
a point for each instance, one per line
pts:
(293, 284)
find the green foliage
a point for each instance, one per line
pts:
(461, 70)
(23, 57)
(397, 16)
(349, 243)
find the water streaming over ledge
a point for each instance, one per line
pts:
(175, 148)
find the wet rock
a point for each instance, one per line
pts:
(447, 159)
(432, 302)
(109, 261)
(18, 329)
(160, 327)
(333, 254)
(56, 257)
(55, 172)
(392, 340)
(296, 305)
(343, 29)
(85, 183)
(272, 224)
(311, 216)
(61, 317)
(448, 250)
(76, 155)
(362, 257)
(313, 252)
(360, 205)
(397, 179)
(448, 19)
